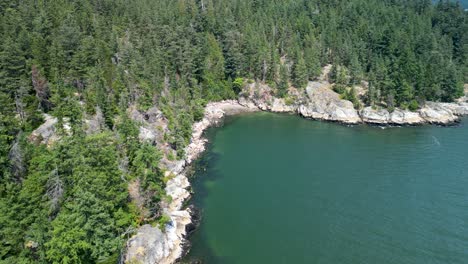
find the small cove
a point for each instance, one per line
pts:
(282, 189)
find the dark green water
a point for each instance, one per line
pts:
(281, 189)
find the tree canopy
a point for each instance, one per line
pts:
(69, 203)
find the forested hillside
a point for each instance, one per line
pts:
(68, 202)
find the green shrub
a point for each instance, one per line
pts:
(339, 88)
(288, 101)
(163, 221)
(413, 105)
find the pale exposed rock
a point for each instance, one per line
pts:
(95, 123)
(375, 116)
(152, 125)
(397, 117)
(67, 126)
(175, 188)
(404, 117)
(151, 245)
(325, 72)
(47, 132)
(146, 134)
(175, 235)
(460, 108)
(279, 106)
(323, 103)
(135, 115)
(153, 115)
(247, 102)
(175, 166)
(437, 113)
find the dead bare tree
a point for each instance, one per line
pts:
(54, 189)
(16, 157)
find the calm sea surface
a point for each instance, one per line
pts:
(282, 189)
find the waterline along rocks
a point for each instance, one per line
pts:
(150, 244)
(317, 101)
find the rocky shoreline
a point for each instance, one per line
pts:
(318, 101)
(151, 245)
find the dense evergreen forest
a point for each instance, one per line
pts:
(68, 203)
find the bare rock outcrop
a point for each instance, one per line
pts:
(382, 116)
(405, 117)
(150, 244)
(279, 105)
(459, 109)
(438, 113)
(94, 124)
(152, 125)
(261, 96)
(47, 132)
(375, 116)
(318, 101)
(324, 104)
